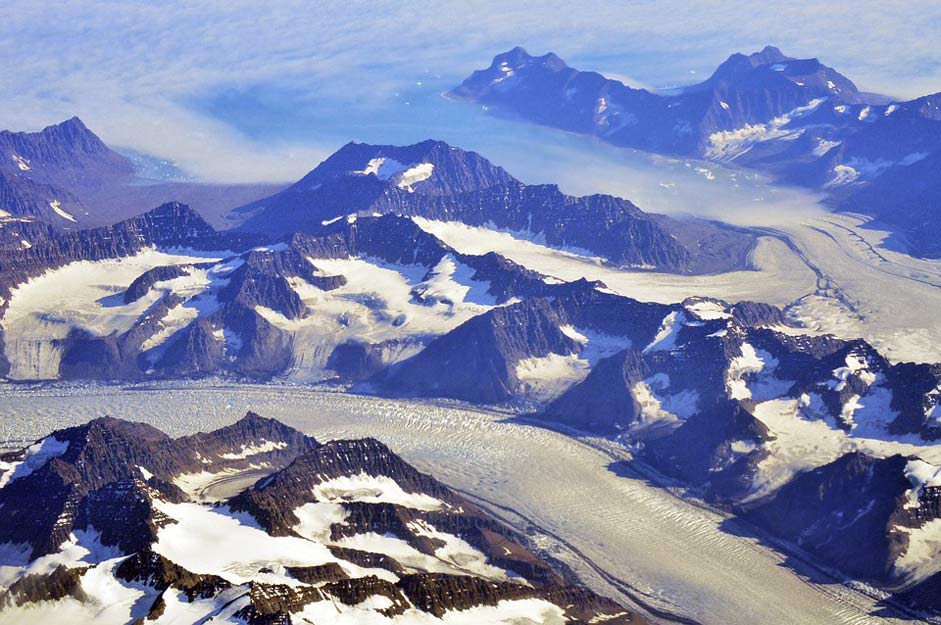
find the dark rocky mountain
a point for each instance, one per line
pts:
(480, 361)
(110, 489)
(436, 181)
(242, 318)
(42, 174)
(64, 175)
(797, 119)
(744, 90)
(87, 471)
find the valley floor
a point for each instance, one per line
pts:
(829, 270)
(625, 535)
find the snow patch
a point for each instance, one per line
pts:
(414, 175)
(659, 409)
(36, 456)
(842, 174)
(57, 207)
(372, 489)
(543, 378)
(21, 162)
(254, 449)
(921, 475)
(382, 168)
(727, 145)
(316, 519)
(749, 362)
(665, 339)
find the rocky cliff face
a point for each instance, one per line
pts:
(334, 531)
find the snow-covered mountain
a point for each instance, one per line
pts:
(115, 522)
(435, 181)
(66, 177)
(797, 119)
(345, 277)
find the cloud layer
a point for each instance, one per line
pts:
(132, 70)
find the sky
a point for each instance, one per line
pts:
(250, 91)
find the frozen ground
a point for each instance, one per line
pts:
(620, 532)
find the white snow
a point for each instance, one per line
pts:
(414, 175)
(824, 146)
(665, 339)
(372, 489)
(21, 162)
(842, 108)
(36, 456)
(57, 207)
(708, 310)
(864, 113)
(658, 408)
(779, 67)
(507, 612)
(724, 105)
(749, 362)
(108, 601)
(726, 145)
(387, 168)
(856, 365)
(382, 168)
(407, 304)
(451, 282)
(316, 518)
(457, 553)
(87, 295)
(921, 474)
(922, 557)
(543, 378)
(216, 541)
(891, 109)
(147, 474)
(254, 449)
(842, 174)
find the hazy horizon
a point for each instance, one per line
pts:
(234, 93)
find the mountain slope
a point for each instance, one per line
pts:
(64, 175)
(796, 119)
(435, 181)
(104, 524)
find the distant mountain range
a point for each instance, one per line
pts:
(797, 119)
(113, 522)
(66, 176)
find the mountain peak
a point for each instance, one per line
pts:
(768, 54)
(75, 134)
(514, 58)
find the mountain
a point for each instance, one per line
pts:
(43, 174)
(64, 175)
(432, 180)
(115, 522)
(744, 90)
(796, 119)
